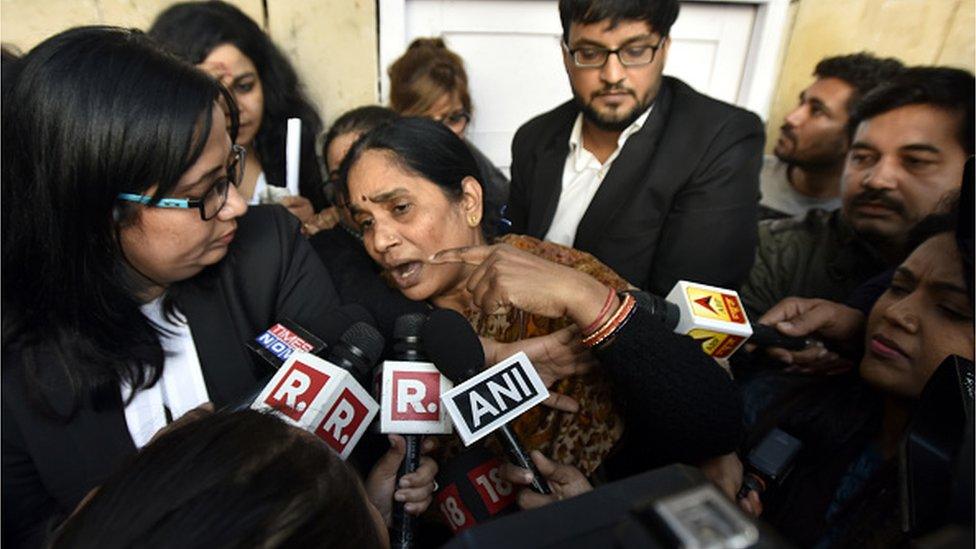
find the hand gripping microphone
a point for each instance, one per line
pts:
(499, 394)
(714, 316)
(410, 406)
(472, 490)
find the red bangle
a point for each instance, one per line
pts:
(599, 318)
(618, 318)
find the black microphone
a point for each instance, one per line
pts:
(769, 462)
(407, 347)
(472, 490)
(670, 316)
(276, 344)
(358, 350)
(456, 350)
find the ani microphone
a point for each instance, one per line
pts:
(483, 402)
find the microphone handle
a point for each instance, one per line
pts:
(768, 336)
(518, 456)
(402, 520)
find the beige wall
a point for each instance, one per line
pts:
(332, 43)
(915, 31)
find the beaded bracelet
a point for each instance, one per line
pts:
(616, 320)
(599, 318)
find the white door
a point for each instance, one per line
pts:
(512, 54)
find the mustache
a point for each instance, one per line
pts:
(878, 196)
(787, 131)
(613, 89)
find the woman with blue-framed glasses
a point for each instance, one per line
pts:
(134, 272)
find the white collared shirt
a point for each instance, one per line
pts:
(181, 387)
(582, 176)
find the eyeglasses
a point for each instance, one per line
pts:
(212, 202)
(590, 57)
(457, 120)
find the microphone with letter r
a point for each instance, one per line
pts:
(411, 388)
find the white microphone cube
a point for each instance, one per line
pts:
(411, 399)
(714, 316)
(321, 398)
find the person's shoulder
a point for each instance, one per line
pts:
(806, 227)
(696, 107)
(265, 223)
(548, 121)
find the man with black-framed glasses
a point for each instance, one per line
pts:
(653, 178)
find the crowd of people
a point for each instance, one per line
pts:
(148, 238)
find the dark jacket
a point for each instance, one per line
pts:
(50, 464)
(679, 404)
(814, 256)
(679, 202)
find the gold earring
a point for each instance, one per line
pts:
(473, 220)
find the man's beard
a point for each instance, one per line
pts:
(595, 118)
(816, 162)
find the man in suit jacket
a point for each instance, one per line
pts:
(653, 178)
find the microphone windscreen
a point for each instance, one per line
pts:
(409, 325)
(452, 345)
(366, 339)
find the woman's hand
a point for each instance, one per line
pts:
(299, 206)
(556, 356)
(797, 316)
(322, 221)
(506, 276)
(566, 481)
(726, 473)
(415, 489)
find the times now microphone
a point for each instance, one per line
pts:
(485, 402)
(472, 489)
(714, 316)
(410, 391)
(357, 348)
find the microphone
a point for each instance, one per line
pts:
(472, 490)
(499, 394)
(276, 344)
(715, 316)
(324, 397)
(358, 350)
(769, 462)
(410, 397)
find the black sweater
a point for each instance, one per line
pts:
(679, 404)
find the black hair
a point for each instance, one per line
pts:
(192, 30)
(243, 479)
(862, 71)
(94, 112)
(427, 148)
(359, 120)
(9, 66)
(940, 87)
(659, 14)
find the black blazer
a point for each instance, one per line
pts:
(269, 273)
(679, 202)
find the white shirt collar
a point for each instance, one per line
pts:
(576, 138)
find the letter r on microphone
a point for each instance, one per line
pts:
(296, 390)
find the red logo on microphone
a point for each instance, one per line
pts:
(452, 507)
(342, 422)
(495, 492)
(416, 396)
(297, 389)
